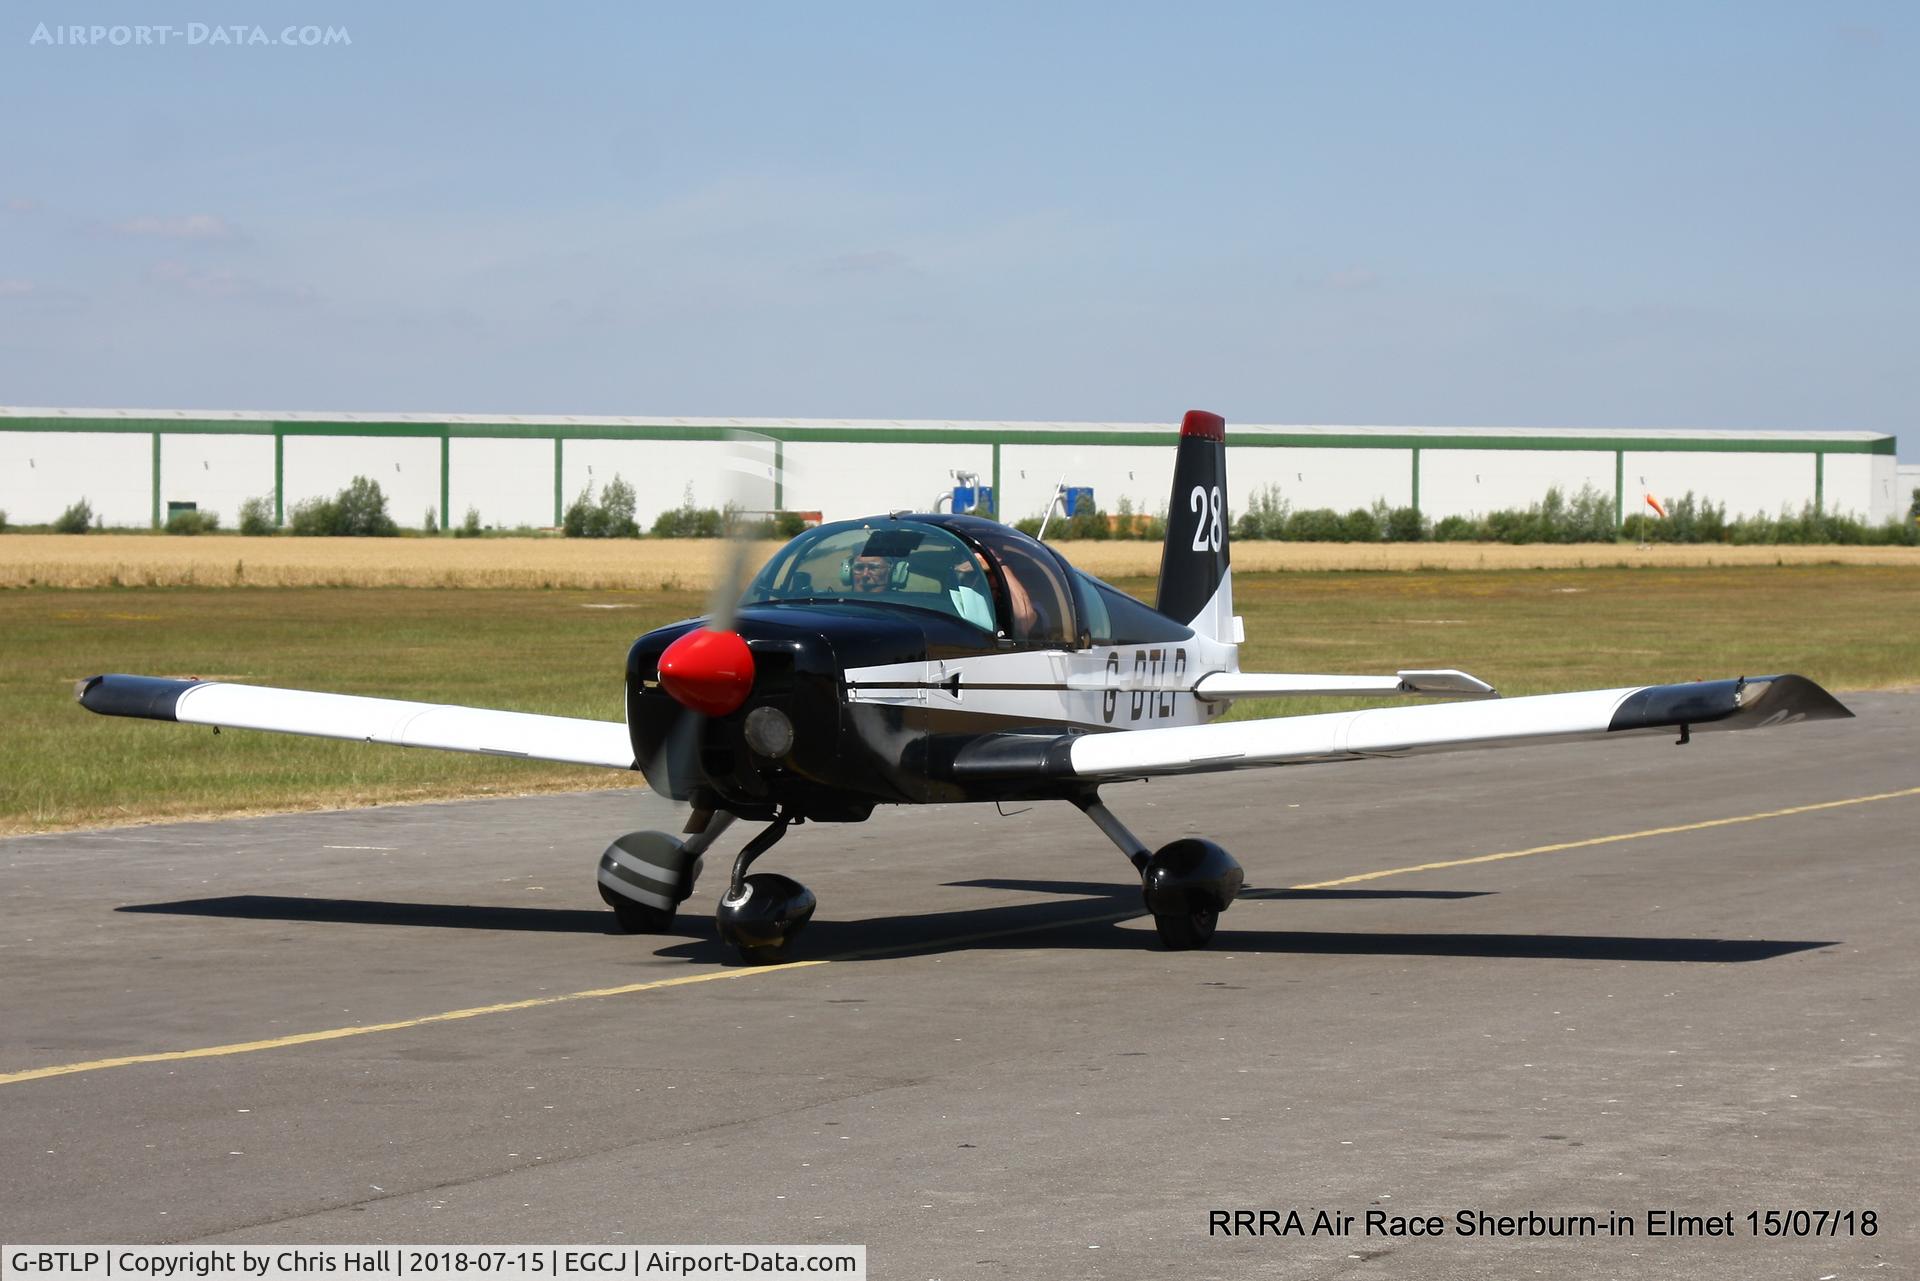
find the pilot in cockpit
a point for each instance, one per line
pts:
(868, 575)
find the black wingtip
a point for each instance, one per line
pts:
(1750, 702)
(151, 698)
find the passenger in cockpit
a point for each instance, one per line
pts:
(969, 593)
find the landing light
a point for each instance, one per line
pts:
(769, 731)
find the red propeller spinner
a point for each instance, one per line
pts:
(710, 672)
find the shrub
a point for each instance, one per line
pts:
(1360, 526)
(1693, 520)
(579, 514)
(469, 525)
(1130, 522)
(358, 511)
(256, 516)
(1030, 526)
(3, 522)
(688, 521)
(77, 519)
(1404, 525)
(430, 524)
(193, 522)
(1315, 525)
(611, 517)
(1089, 522)
(1456, 529)
(1589, 517)
(363, 511)
(617, 503)
(1265, 517)
(313, 518)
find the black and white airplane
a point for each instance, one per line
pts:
(921, 658)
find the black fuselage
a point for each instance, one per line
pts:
(846, 757)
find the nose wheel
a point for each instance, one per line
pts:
(760, 915)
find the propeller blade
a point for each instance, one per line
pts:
(748, 484)
(675, 768)
(719, 676)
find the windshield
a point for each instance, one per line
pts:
(882, 562)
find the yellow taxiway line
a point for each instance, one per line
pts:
(1609, 840)
(368, 1029)
(686, 980)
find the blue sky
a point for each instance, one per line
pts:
(1520, 214)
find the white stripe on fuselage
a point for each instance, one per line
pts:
(1139, 686)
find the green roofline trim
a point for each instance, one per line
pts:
(937, 436)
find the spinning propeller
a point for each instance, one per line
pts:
(710, 671)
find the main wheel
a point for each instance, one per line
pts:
(1184, 931)
(764, 917)
(637, 918)
(1186, 885)
(644, 877)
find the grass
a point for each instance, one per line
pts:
(230, 560)
(556, 651)
(530, 651)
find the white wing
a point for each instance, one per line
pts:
(1045, 759)
(368, 720)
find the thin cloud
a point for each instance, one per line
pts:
(225, 285)
(873, 261)
(199, 226)
(1344, 280)
(22, 204)
(17, 288)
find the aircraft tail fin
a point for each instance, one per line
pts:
(1196, 578)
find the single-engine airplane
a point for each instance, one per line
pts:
(920, 658)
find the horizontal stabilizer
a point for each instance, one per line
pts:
(369, 720)
(1222, 686)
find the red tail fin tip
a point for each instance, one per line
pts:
(1206, 426)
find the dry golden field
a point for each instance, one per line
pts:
(145, 560)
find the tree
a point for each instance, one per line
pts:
(358, 511)
(611, 517)
(77, 519)
(256, 516)
(363, 511)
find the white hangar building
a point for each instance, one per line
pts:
(132, 465)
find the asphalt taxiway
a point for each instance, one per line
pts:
(1597, 979)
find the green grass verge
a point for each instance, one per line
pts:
(1848, 627)
(530, 651)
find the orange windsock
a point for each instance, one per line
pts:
(1655, 504)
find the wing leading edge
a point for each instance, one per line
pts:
(369, 720)
(1746, 703)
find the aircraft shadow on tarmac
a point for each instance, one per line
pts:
(1055, 923)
